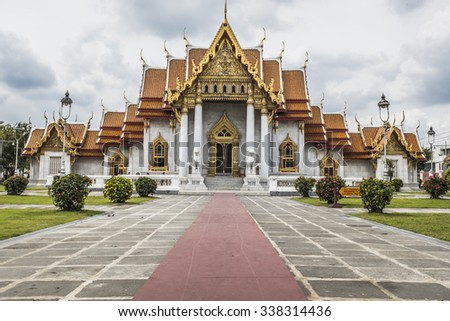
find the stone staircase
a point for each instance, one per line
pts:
(223, 183)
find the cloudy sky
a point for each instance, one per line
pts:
(357, 50)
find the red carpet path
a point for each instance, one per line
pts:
(223, 256)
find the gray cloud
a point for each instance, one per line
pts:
(405, 6)
(20, 68)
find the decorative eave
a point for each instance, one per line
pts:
(224, 32)
(377, 150)
(70, 147)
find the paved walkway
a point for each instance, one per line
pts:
(331, 255)
(222, 256)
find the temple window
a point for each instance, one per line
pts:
(224, 88)
(159, 155)
(206, 89)
(215, 89)
(55, 165)
(233, 89)
(288, 151)
(242, 89)
(329, 166)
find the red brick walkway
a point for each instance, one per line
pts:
(222, 256)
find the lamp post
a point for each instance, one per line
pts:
(17, 137)
(66, 103)
(383, 108)
(431, 133)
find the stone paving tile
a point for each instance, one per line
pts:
(379, 262)
(418, 291)
(347, 289)
(102, 257)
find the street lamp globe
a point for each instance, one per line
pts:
(383, 107)
(431, 133)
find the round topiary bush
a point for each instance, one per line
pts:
(328, 187)
(15, 185)
(304, 185)
(436, 186)
(145, 186)
(376, 194)
(70, 191)
(397, 183)
(118, 189)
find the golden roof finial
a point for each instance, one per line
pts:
(168, 55)
(143, 61)
(46, 118)
(127, 102)
(357, 122)
(263, 39)
(393, 123)
(306, 60)
(345, 113)
(282, 50)
(402, 124)
(321, 101)
(225, 19)
(417, 129)
(185, 38)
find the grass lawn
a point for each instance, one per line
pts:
(434, 225)
(15, 222)
(395, 203)
(47, 200)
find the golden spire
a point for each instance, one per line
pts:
(357, 121)
(225, 20)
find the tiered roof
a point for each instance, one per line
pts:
(79, 139)
(111, 127)
(133, 127)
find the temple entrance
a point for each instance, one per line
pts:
(223, 148)
(224, 158)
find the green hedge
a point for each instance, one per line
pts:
(376, 194)
(15, 185)
(145, 186)
(118, 189)
(69, 192)
(304, 185)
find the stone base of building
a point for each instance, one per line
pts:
(252, 183)
(410, 187)
(195, 182)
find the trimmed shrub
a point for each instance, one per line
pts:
(397, 183)
(326, 186)
(70, 191)
(304, 185)
(436, 186)
(376, 194)
(15, 185)
(145, 186)
(118, 189)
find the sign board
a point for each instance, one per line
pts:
(349, 191)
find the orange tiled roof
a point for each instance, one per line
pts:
(357, 149)
(113, 119)
(413, 143)
(253, 55)
(90, 147)
(337, 133)
(196, 55)
(315, 127)
(76, 131)
(154, 83)
(294, 85)
(177, 69)
(33, 140)
(133, 127)
(271, 69)
(370, 134)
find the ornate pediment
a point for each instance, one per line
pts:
(225, 64)
(53, 142)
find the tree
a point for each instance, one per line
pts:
(8, 139)
(427, 152)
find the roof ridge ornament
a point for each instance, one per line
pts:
(402, 124)
(345, 114)
(321, 101)
(306, 61)
(261, 44)
(225, 19)
(282, 50)
(188, 44)
(144, 64)
(127, 102)
(357, 122)
(168, 55)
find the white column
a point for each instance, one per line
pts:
(265, 141)
(250, 129)
(183, 143)
(198, 128)
(171, 155)
(146, 164)
(301, 148)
